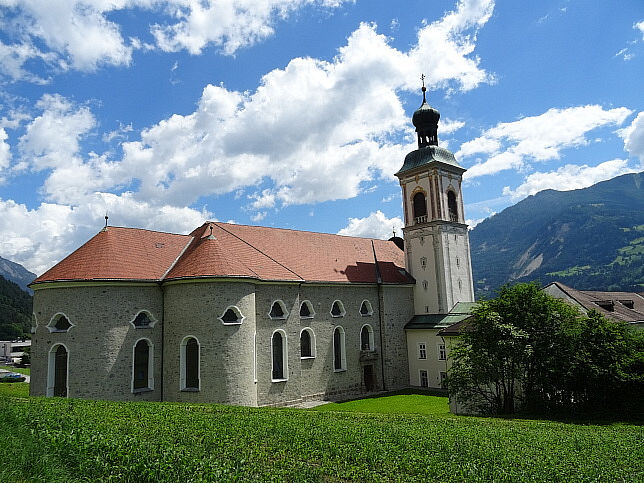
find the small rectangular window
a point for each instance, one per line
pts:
(422, 350)
(442, 353)
(443, 380)
(424, 380)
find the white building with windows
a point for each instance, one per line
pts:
(11, 351)
(258, 316)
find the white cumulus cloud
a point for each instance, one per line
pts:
(376, 225)
(633, 136)
(569, 177)
(84, 35)
(512, 145)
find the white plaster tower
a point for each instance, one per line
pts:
(437, 247)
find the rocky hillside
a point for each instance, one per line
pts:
(591, 238)
(16, 273)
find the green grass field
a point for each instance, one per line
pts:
(398, 438)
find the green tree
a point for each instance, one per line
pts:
(527, 349)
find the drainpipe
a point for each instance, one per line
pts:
(381, 317)
(382, 324)
(162, 339)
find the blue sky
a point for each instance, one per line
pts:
(296, 113)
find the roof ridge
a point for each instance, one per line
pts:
(176, 260)
(219, 223)
(258, 250)
(141, 229)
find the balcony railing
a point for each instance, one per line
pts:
(420, 219)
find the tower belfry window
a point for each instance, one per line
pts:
(420, 207)
(452, 206)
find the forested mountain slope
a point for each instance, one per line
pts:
(591, 239)
(15, 311)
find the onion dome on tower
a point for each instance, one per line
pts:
(425, 120)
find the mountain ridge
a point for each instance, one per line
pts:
(16, 273)
(590, 238)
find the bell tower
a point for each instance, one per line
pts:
(437, 247)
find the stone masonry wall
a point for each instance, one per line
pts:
(100, 344)
(398, 303)
(226, 351)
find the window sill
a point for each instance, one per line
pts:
(231, 323)
(339, 370)
(279, 380)
(306, 317)
(142, 389)
(190, 389)
(307, 358)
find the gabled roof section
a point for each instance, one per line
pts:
(281, 254)
(219, 253)
(120, 254)
(622, 306)
(227, 250)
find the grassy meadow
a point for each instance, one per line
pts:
(398, 438)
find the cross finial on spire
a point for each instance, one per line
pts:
(422, 78)
(394, 229)
(106, 218)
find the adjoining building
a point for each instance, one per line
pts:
(257, 316)
(620, 306)
(11, 351)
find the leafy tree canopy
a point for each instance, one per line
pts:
(526, 349)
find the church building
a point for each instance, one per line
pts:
(259, 316)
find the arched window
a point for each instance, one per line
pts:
(34, 323)
(59, 323)
(420, 207)
(278, 310)
(279, 356)
(366, 338)
(306, 310)
(143, 320)
(452, 206)
(142, 373)
(365, 309)
(232, 316)
(57, 371)
(307, 343)
(337, 309)
(189, 363)
(339, 350)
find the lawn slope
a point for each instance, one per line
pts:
(66, 439)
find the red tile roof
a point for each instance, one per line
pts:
(120, 254)
(229, 250)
